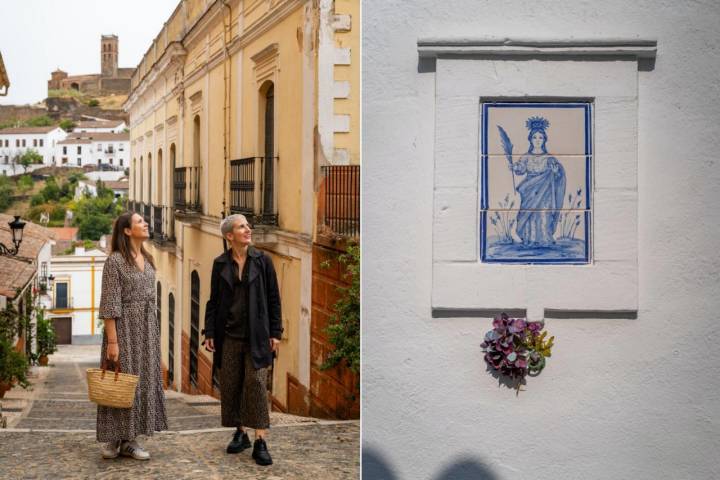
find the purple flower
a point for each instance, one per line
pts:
(535, 327)
(517, 325)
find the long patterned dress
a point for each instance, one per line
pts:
(128, 295)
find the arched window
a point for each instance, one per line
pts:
(269, 143)
(171, 338)
(159, 200)
(150, 185)
(171, 200)
(194, 326)
(196, 141)
(141, 193)
(133, 173)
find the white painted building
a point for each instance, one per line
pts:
(119, 187)
(14, 142)
(74, 152)
(91, 148)
(29, 269)
(630, 390)
(107, 126)
(76, 288)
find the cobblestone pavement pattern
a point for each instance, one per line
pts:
(54, 436)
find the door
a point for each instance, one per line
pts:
(63, 330)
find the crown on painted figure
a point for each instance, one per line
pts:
(537, 123)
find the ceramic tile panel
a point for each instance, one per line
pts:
(524, 184)
(535, 236)
(508, 127)
(535, 182)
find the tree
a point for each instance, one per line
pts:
(6, 191)
(25, 183)
(51, 192)
(67, 125)
(94, 214)
(41, 121)
(30, 157)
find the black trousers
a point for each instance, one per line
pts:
(243, 388)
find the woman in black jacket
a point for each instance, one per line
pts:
(243, 327)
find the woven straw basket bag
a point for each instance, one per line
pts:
(114, 390)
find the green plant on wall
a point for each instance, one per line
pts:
(9, 324)
(13, 365)
(344, 328)
(45, 335)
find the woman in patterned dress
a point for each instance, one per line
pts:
(131, 337)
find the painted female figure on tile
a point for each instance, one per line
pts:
(542, 191)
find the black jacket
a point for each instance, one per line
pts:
(264, 314)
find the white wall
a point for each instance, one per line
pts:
(119, 129)
(77, 270)
(619, 398)
(85, 156)
(47, 150)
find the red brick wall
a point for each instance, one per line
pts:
(334, 393)
(204, 380)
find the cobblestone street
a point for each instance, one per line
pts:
(51, 433)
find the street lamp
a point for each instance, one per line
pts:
(16, 226)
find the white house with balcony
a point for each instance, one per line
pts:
(76, 286)
(73, 152)
(94, 148)
(98, 126)
(14, 142)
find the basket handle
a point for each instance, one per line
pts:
(104, 365)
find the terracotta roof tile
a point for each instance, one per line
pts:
(101, 136)
(64, 233)
(74, 141)
(15, 274)
(34, 236)
(27, 130)
(99, 124)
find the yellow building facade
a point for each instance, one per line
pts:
(238, 107)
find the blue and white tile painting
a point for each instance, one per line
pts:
(536, 164)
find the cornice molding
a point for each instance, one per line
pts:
(503, 47)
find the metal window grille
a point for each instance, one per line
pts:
(171, 338)
(194, 326)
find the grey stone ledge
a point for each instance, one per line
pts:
(503, 47)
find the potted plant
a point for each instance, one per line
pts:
(45, 338)
(13, 368)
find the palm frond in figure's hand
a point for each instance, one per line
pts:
(508, 148)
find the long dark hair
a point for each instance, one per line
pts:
(121, 242)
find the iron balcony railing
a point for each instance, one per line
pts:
(157, 225)
(341, 209)
(186, 189)
(146, 213)
(163, 223)
(242, 186)
(256, 200)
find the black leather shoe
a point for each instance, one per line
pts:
(260, 452)
(239, 442)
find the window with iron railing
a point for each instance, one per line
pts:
(171, 339)
(194, 326)
(186, 189)
(243, 189)
(341, 200)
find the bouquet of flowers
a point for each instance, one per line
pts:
(516, 347)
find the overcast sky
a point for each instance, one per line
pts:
(38, 36)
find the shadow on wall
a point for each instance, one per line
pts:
(376, 467)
